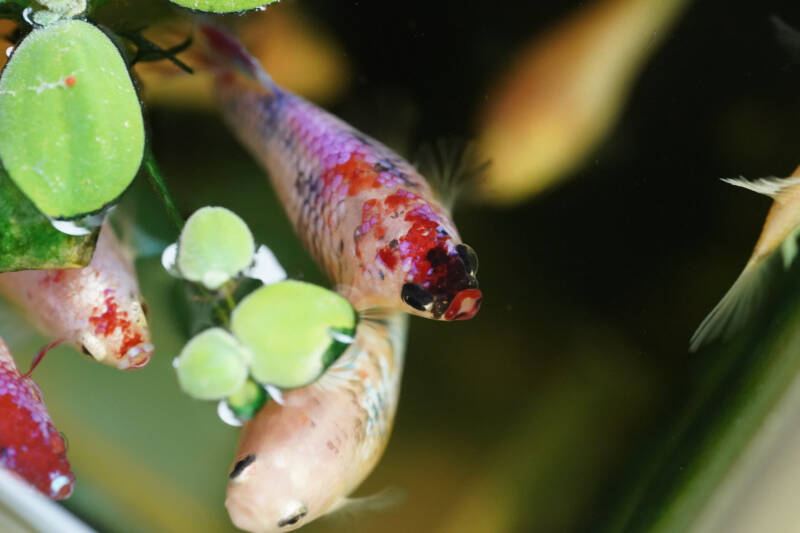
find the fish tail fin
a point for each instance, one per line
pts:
(737, 306)
(225, 52)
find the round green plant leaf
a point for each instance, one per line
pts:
(246, 402)
(223, 6)
(212, 365)
(215, 245)
(294, 330)
(71, 130)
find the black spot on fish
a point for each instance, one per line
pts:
(437, 256)
(393, 244)
(293, 519)
(240, 466)
(416, 296)
(380, 275)
(341, 246)
(469, 257)
(362, 139)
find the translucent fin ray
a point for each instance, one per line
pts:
(738, 305)
(770, 186)
(452, 167)
(388, 498)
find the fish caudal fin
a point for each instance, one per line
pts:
(225, 51)
(771, 186)
(738, 305)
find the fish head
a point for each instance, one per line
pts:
(284, 475)
(442, 283)
(117, 333)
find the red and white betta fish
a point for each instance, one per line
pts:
(369, 219)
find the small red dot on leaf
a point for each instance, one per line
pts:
(70, 81)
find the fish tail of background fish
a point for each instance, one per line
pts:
(98, 308)
(776, 247)
(369, 219)
(30, 445)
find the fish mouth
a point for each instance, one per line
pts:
(465, 305)
(451, 292)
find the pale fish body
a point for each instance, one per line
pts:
(777, 240)
(97, 308)
(369, 219)
(300, 460)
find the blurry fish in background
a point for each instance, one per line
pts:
(98, 308)
(7, 28)
(300, 55)
(776, 245)
(564, 92)
(31, 445)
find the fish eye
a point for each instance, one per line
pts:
(294, 517)
(470, 258)
(240, 466)
(417, 297)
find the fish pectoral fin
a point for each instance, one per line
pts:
(770, 186)
(738, 305)
(453, 168)
(388, 498)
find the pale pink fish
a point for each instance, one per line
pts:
(370, 220)
(98, 308)
(300, 460)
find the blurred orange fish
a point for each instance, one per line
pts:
(564, 92)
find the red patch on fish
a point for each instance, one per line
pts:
(465, 305)
(53, 276)
(110, 320)
(30, 445)
(356, 174)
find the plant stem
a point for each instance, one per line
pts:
(157, 181)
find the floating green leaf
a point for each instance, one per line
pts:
(65, 8)
(223, 6)
(246, 402)
(27, 239)
(212, 365)
(215, 245)
(71, 130)
(295, 330)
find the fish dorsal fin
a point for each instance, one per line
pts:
(771, 186)
(739, 304)
(452, 167)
